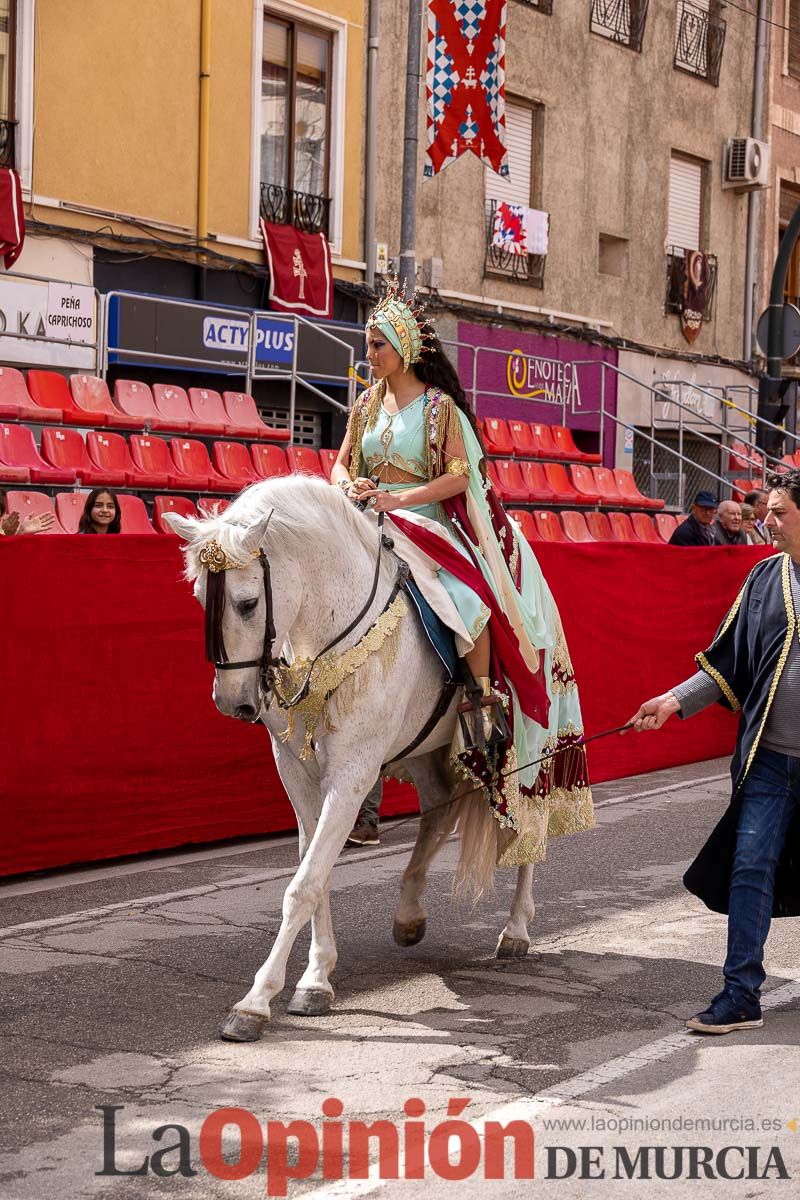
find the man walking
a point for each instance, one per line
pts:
(750, 866)
(698, 528)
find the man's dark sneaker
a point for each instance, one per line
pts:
(724, 1015)
(365, 834)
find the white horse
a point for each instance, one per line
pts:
(322, 554)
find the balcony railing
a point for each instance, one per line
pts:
(700, 42)
(7, 129)
(676, 275)
(620, 21)
(281, 206)
(519, 268)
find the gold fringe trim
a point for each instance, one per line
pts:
(574, 814)
(719, 680)
(335, 673)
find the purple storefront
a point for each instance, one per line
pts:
(533, 377)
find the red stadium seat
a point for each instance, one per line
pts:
(644, 528)
(507, 479)
(526, 523)
(110, 452)
(543, 436)
(269, 461)
(18, 449)
(28, 503)
(558, 480)
(168, 504)
(135, 401)
(621, 527)
(16, 402)
(191, 457)
(565, 444)
(14, 474)
(583, 482)
(496, 437)
(745, 458)
(173, 411)
(134, 515)
(742, 486)
(522, 440)
(631, 494)
(598, 526)
(243, 414)
(606, 485)
(535, 480)
(666, 524)
(91, 396)
(211, 506)
(207, 407)
(51, 390)
(575, 526)
(549, 527)
(233, 462)
(69, 509)
(152, 457)
(304, 460)
(327, 458)
(66, 449)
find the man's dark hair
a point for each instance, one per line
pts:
(786, 481)
(752, 497)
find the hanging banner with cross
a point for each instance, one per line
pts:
(465, 83)
(300, 279)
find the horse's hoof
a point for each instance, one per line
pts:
(242, 1026)
(410, 934)
(511, 948)
(310, 1002)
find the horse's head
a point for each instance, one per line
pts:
(244, 610)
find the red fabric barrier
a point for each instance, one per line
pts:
(111, 744)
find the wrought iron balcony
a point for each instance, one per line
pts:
(281, 206)
(502, 263)
(676, 277)
(621, 21)
(7, 157)
(700, 42)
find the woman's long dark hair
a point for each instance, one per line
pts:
(436, 370)
(85, 525)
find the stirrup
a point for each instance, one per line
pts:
(482, 716)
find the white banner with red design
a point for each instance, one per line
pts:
(465, 83)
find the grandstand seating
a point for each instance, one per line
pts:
(548, 526)
(69, 509)
(16, 402)
(92, 399)
(25, 503)
(135, 400)
(526, 523)
(583, 482)
(544, 441)
(606, 485)
(644, 529)
(599, 526)
(621, 527)
(304, 460)
(18, 449)
(9, 474)
(66, 449)
(522, 440)
(534, 479)
(269, 461)
(191, 457)
(134, 515)
(151, 455)
(234, 463)
(51, 390)
(211, 506)
(175, 412)
(741, 487)
(327, 458)
(171, 504)
(110, 452)
(496, 436)
(666, 524)
(507, 478)
(575, 526)
(208, 409)
(565, 444)
(630, 492)
(243, 414)
(745, 458)
(557, 478)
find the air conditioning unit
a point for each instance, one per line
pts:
(745, 164)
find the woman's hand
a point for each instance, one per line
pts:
(378, 501)
(653, 713)
(360, 489)
(37, 522)
(10, 523)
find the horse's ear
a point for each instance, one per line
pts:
(185, 527)
(252, 539)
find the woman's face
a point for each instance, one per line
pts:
(749, 524)
(381, 354)
(103, 512)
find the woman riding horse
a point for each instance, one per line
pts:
(411, 451)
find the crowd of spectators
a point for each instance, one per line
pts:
(101, 514)
(725, 523)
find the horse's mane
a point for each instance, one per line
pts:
(305, 511)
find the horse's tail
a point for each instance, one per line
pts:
(477, 857)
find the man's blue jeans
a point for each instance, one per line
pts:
(770, 795)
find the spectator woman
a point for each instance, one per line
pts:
(101, 513)
(749, 526)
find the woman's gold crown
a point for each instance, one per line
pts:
(407, 318)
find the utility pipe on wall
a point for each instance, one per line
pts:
(203, 133)
(408, 214)
(753, 201)
(371, 147)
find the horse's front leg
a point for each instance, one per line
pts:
(514, 941)
(343, 789)
(435, 827)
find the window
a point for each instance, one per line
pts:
(685, 203)
(612, 255)
(7, 80)
(792, 11)
(621, 21)
(295, 135)
(700, 39)
(521, 186)
(789, 200)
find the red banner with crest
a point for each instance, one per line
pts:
(300, 277)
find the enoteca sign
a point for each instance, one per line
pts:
(51, 324)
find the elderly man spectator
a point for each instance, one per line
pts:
(698, 528)
(728, 525)
(758, 500)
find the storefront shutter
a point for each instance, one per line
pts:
(685, 199)
(516, 188)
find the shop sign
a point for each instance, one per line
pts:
(37, 317)
(550, 381)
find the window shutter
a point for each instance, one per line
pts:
(685, 197)
(793, 38)
(789, 201)
(516, 188)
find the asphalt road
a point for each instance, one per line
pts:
(113, 982)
